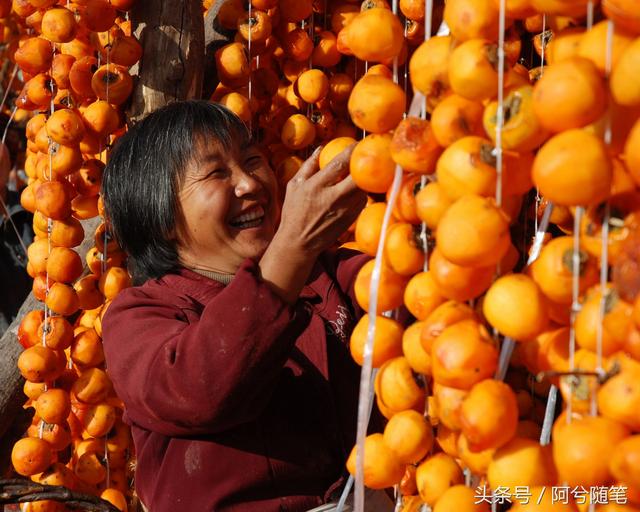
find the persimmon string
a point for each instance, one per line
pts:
(500, 111)
(604, 249)
(424, 236)
(366, 372)
(6, 128)
(575, 304)
(365, 399)
(8, 88)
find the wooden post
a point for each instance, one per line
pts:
(171, 68)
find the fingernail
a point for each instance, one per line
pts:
(317, 150)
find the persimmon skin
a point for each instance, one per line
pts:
(429, 69)
(371, 165)
(31, 456)
(623, 461)
(390, 293)
(312, 85)
(472, 72)
(387, 340)
(421, 295)
(112, 83)
(456, 117)
(34, 55)
(516, 307)
(474, 232)
(469, 19)
(376, 104)
(403, 250)
(467, 167)
(457, 282)
(521, 130)
(417, 357)
(53, 406)
(570, 94)
(461, 498)
(624, 91)
(581, 449)
(489, 415)
(431, 204)
(396, 387)
(623, 13)
(58, 25)
(298, 132)
(381, 466)
(445, 315)
(39, 364)
(573, 169)
(375, 35)
(435, 475)
(553, 270)
(409, 436)
(522, 462)
(463, 355)
(414, 147)
(619, 398)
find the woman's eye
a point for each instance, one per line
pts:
(254, 160)
(216, 173)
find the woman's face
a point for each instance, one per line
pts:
(229, 207)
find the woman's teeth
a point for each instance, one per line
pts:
(249, 220)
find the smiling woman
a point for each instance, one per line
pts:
(240, 393)
(221, 229)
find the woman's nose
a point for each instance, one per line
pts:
(246, 183)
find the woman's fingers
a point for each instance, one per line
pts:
(310, 166)
(335, 170)
(346, 186)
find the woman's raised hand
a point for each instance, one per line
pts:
(319, 206)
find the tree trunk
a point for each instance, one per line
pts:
(171, 69)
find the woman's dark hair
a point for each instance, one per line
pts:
(142, 180)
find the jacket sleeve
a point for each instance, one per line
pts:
(181, 378)
(345, 265)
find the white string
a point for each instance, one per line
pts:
(6, 128)
(365, 375)
(424, 237)
(500, 111)
(575, 304)
(604, 249)
(365, 399)
(13, 225)
(508, 344)
(549, 415)
(347, 488)
(8, 88)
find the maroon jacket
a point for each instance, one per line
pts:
(237, 401)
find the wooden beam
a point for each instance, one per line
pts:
(171, 69)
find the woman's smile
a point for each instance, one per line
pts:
(251, 217)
